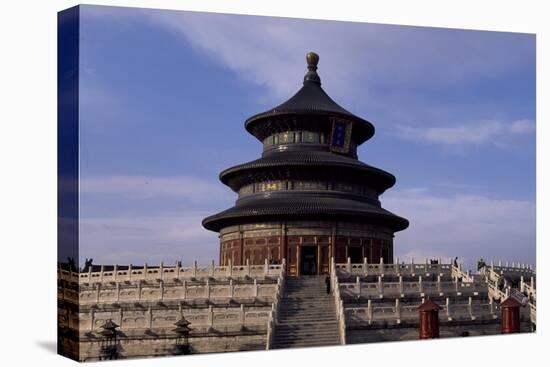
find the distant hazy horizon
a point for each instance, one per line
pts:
(164, 95)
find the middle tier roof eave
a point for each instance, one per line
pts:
(310, 160)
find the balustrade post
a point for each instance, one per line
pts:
(161, 270)
(101, 274)
(470, 309)
(208, 288)
(398, 309)
(255, 287)
(212, 268)
(195, 269)
(369, 310)
(184, 286)
(521, 283)
(420, 283)
(98, 286)
(139, 290)
(533, 282)
(439, 283)
(130, 272)
(380, 286)
(145, 270)
(115, 272)
(118, 292)
(242, 315)
(398, 266)
(231, 291)
(456, 284)
(210, 316)
(349, 265)
(230, 269)
(248, 267)
(358, 286)
(448, 307)
(161, 288)
(178, 268)
(401, 284)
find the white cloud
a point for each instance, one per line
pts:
(522, 127)
(114, 230)
(168, 238)
(472, 134)
(369, 68)
(467, 226)
(355, 57)
(145, 187)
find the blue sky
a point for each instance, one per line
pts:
(164, 96)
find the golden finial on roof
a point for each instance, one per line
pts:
(312, 59)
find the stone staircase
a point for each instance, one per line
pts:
(307, 315)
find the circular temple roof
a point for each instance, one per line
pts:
(311, 99)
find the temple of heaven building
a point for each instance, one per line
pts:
(308, 198)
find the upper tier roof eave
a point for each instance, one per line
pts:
(311, 99)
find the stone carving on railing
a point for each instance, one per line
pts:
(272, 320)
(399, 312)
(338, 301)
(173, 273)
(421, 288)
(207, 318)
(410, 269)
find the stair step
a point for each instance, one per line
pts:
(308, 323)
(309, 335)
(312, 317)
(309, 343)
(307, 315)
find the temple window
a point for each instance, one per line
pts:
(310, 137)
(286, 137)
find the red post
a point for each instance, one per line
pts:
(428, 314)
(509, 315)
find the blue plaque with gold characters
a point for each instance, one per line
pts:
(341, 135)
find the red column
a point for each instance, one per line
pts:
(428, 314)
(509, 316)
